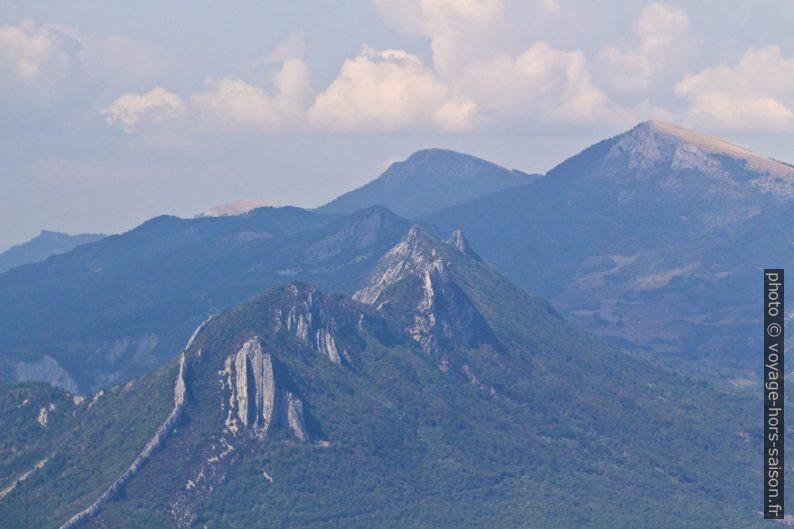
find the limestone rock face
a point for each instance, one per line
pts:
(415, 280)
(445, 317)
(256, 403)
(409, 256)
(48, 370)
(654, 142)
(326, 345)
(680, 159)
(459, 242)
(255, 386)
(309, 320)
(252, 388)
(294, 413)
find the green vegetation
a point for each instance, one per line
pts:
(576, 433)
(88, 444)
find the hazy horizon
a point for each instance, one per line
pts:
(115, 113)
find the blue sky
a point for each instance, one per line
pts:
(111, 112)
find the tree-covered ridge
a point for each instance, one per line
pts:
(536, 424)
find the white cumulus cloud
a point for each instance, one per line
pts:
(661, 32)
(542, 83)
(230, 102)
(32, 54)
(60, 68)
(660, 24)
(157, 106)
(456, 28)
(756, 94)
(389, 90)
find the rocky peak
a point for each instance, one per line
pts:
(419, 254)
(416, 282)
(459, 242)
(415, 255)
(323, 323)
(655, 144)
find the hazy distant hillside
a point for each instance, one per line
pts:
(427, 181)
(440, 396)
(655, 237)
(45, 244)
(118, 308)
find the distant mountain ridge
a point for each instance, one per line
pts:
(429, 180)
(653, 237)
(430, 391)
(108, 311)
(446, 397)
(42, 246)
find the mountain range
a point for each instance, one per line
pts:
(429, 180)
(653, 239)
(120, 307)
(42, 246)
(437, 395)
(365, 364)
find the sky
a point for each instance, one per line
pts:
(114, 112)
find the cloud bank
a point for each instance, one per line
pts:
(156, 106)
(389, 90)
(756, 93)
(459, 80)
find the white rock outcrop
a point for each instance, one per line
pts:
(143, 457)
(459, 242)
(418, 274)
(256, 403)
(309, 320)
(253, 389)
(5, 491)
(155, 442)
(411, 256)
(325, 344)
(655, 142)
(43, 417)
(295, 419)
